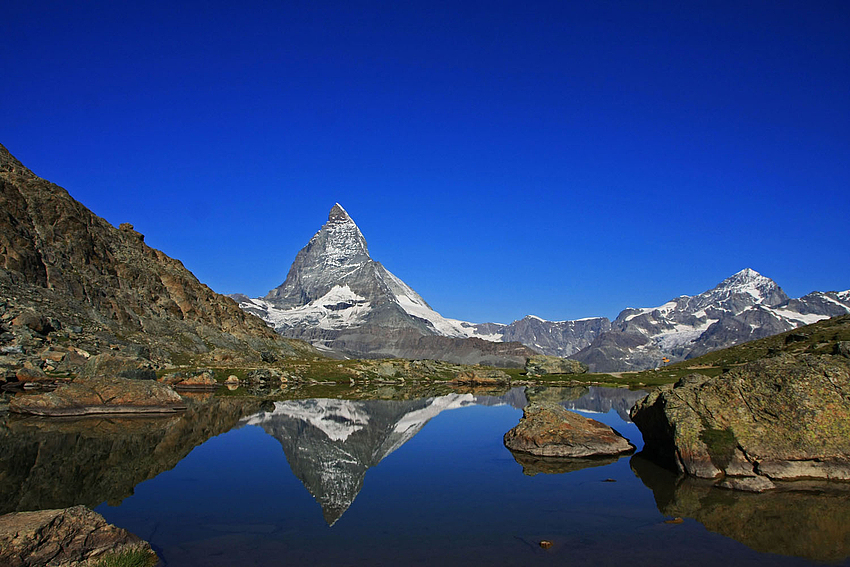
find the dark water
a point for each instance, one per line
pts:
(391, 482)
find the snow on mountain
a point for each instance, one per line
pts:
(743, 307)
(337, 297)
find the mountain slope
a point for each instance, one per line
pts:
(337, 297)
(743, 307)
(73, 271)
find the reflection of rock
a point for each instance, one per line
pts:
(603, 400)
(807, 519)
(62, 538)
(330, 444)
(532, 464)
(55, 463)
(784, 417)
(548, 430)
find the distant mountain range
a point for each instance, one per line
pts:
(338, 298)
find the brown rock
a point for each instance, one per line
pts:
(61, 538)
(101, 396)
(33, 321)
(200, 381)
(30, 373)
(481, 377)
(549, 430)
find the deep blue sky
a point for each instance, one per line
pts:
(566, 159)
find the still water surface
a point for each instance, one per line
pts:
(416, 482)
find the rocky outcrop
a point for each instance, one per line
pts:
(541, 365)
(549, 430)
(782, 418)
(481, 377)
(202, 379)
(68, 276)
(63, 538)
(101, 395)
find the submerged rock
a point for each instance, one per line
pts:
(101, 396)
(783, 418)
(549, 430)
(541, 365)
(62, 538)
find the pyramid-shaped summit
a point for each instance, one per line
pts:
(336, 296)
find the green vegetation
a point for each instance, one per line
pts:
(721, 444)
(818, 338)
(130, 558)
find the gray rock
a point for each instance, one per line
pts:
(783, 417)
(541, 365)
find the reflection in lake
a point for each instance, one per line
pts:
(400, 480)
(810, 520)
(61, 462)
(330, 444)
(532, 464)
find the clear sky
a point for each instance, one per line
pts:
(564, 159)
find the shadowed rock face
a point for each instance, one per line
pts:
(810, 520)
(64, 263)
(56, 462)
(781, 418)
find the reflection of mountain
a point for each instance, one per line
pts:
(810, 520)
(603, 400)
(55, 463)
(330, 444)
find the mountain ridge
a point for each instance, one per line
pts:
(66, 270)
(337, 297)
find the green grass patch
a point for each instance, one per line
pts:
(132, 558)
(721, 444)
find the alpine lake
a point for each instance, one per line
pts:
(384, 476)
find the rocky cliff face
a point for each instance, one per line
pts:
(779, 418)
(72, 269)
(337, 297)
